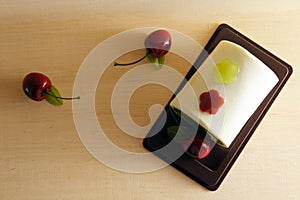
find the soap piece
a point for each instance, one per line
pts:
(210, 101)
(226, 71)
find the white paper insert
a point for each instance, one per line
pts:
(242, 97)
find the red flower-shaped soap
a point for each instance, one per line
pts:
(210, 101)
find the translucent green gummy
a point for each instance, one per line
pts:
(226, 71)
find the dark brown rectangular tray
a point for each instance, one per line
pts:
(211, 171)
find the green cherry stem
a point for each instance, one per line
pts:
(126, 64)
(64, 98)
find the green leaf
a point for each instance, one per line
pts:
(154, 61)
(151, 58)
(185, 118)
(172, 131)
(183, 132)
(52, 97)
(161, 60)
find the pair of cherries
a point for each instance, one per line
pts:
(38, 86)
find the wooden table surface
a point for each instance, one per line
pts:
(41, 155)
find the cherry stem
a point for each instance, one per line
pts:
(64, 98)
(126, 64)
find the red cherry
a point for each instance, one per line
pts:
(210, 101)
(157, 44)
(198, 148)
(36, 86)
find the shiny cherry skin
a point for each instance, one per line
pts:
(198, 149)
(36, 85)
(158, 43)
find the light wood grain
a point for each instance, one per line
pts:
(41, 155)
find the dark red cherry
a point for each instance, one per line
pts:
(36, 86)
(199, 148)
(157, 44)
